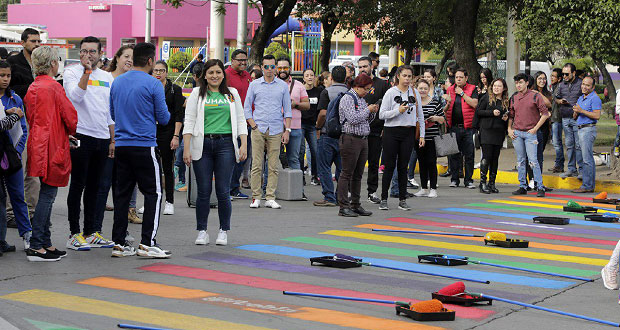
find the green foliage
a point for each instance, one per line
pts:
(179, 60)
(600, 89)
(582, 63)
(276, 49)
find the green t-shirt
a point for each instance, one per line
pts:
(217, 114)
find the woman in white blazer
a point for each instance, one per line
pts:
(214, 123)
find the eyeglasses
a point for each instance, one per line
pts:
(565, 74)
(240, 59)
(269, 66)
(283, 68)
(88, 51)
(159, 71)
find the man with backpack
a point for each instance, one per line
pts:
(328, 150)
(528, 112)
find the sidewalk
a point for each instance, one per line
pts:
(507, 172)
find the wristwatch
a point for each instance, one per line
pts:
(462, 93)
(88, 71)
(255, 127)
(288, 129)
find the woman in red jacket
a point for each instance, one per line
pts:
(52, 119)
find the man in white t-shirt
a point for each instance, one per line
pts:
(88, 88)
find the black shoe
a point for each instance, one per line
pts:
(541, 193)
(445, 175)
(347, 213)
(492, 187)
(34, 255)
(315, 181)
(547, 189)
(360, 211)
(304, 198)
(57, 252)
(520, 191)
(11, 223)
(6, 247)
(484, 188)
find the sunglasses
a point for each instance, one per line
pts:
(269, 66)
(283, 68)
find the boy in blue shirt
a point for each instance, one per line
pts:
(137, 104)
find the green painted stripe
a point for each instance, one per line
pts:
(522, 209)
(414, 254)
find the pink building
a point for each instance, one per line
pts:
(123, 21)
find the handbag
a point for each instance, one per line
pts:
(445, 144)
(10, 161)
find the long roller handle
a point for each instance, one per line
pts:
(425, 232)
(139, 327)
(551, 310)
(432, 274)
(585, 279)
(292, 293)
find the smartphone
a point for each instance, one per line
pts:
(75, 143)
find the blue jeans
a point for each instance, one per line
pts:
(15, 188)
(557, 144)
(41, 236)
(328, 154)
(617, 141)
(410, 173)
(179, 162)
(587, 135)
(526, 148)
(236, 174)
(292, 148)
(573, 150)
(218, 159)
(310, 136)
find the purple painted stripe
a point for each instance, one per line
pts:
(330, 273)
(496, 222)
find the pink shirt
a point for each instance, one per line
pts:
(297, 94)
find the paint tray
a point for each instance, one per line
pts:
(440, 259)
(583, 209)
(330, 261)
(444, 315)
(509, 243)
(461, 299)
(600, 218)
(552, 220)
(606, 201)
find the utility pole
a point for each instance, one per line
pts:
(216, 42)
(513, 54)
(242, 23)
(147, 33)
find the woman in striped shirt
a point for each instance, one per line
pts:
(433, 116)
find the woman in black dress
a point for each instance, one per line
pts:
(492, 115)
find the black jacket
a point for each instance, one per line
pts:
(375, 96)
(21, 74)
(492, 128)
(174, 100)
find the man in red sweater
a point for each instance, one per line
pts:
(462, 101)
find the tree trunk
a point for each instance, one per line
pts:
(464, 30)
(269, 23)
(609, 83)
(447, 54)
(408, 54)
(329, 26)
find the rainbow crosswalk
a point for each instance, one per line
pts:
(578, 249)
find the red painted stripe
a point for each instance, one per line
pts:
(521, 233)
(582, 198)
(269, 284)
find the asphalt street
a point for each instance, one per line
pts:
(240, 286)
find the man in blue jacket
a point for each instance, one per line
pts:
(137, 105)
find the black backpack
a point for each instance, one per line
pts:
(333, 125)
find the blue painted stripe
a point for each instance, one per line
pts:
(452, 271)
(530, 217)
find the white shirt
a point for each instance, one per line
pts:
(389, 110)
(92, 104)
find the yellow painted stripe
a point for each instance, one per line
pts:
(556, 247)
(122, 311)
(320, 315)
(547, 206)
(564, 201)
(471, 248)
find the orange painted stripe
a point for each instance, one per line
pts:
(320, 315)
(556, 247)
(562, 201)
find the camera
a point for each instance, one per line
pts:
(399, 99)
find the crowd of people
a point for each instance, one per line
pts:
(122, 128)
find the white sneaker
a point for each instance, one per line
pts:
(414, 183)
(610, 278)
(432, 193)
(141, 210)
(272, 204)
(169, 209)
(97, 241)
(477, 165)
(531, 184)
(77, 242)
(222, 238)
(256, 204)
(203, 238)
(421, 193)
(120, 251)
(26, 239)
(152, 252)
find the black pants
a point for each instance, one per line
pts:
(427, 156)
(374, 154)
(490, 154)
(137, 165)
(397, 145)
(87, 163)
(465, 141)
(354, 153)
(167, 161)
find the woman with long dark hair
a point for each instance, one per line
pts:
(122, 61)
(402, 112)
(492, 113)
(486, 76)
(214, 120)
(540, 86)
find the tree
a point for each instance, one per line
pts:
(179, 60)
(276, 49)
